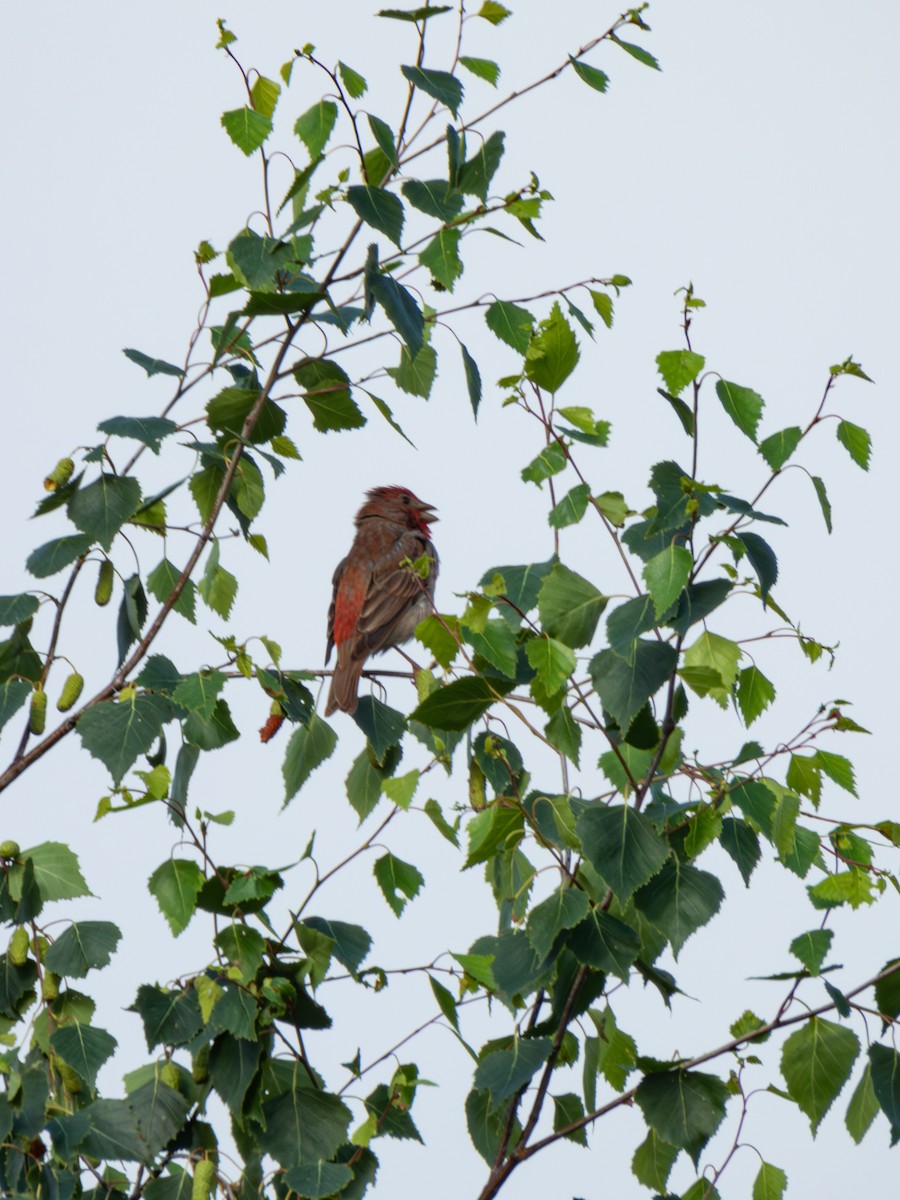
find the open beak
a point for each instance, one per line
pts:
(429, 516)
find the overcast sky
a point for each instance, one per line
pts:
(761, 164)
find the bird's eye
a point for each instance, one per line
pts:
(405, 498)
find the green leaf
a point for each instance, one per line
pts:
(118, 731)
(564, 733)
(84, 1047)
(309, 747)
(16, 609)
(473, 379)
(824, 502)
(591, 76)
(522, 585)
(13, 694)
(497, 643)
(153, 366)
(314, 127)
(102, 508)
(571, 508)
(399, 881)
(460, 703)
(511, 324)
(849, 367)
(769, 1183)
(566, 1109)
(399, 306)
(229, 410)
(603, 305)
(496, 829)
(552, 659)
(414, 14)
(477, 172)
(161, 582)
(622, 846)
(569, 606)
(327, 395)
(605, 943)
(303, 1125)
(218, 587)
(440, 85)
(887, 991)
(484, 68)
(678, 368)
(503, 1072)
(551, 460)
(351, 942)
(624, 685)
(176, 885)
(856, 442)
(315, 1181)
(441, 257)
(436, 197)
(552, 354)
(379, 208)
(493, 12)
(170, 1018)
(83, 946)
(711, 665)
(853, 887)
(383, 726)
(685, 1108)
(679, 900)
(812, 948)
(132, 615)
(415, 373)
(885, 1066)
(762, 559)
(566, 907)
(259, 263)
(666, 574)
(863, 1107)
(148, 430)
(754, 694)
(653, 1160)
(804, 775)
(247, 128)
(743, 405)
(742, 844)
(56, 873)
(436, 635)
(816, 1062)
(200, 692)
(642, 56)
(779, 447)
(384, 136)
(265, 93)
(838, 768)
(352, 80)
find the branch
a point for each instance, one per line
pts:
(726, 1048)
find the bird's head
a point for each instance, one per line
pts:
(400, 505)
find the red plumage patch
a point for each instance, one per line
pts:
(348, 605)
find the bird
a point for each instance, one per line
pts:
(377, 602)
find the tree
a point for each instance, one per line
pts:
(594, 872)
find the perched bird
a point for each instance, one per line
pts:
(377, 602)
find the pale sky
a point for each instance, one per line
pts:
(760, 164)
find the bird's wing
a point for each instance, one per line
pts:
(391, 589)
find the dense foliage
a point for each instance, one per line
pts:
(558, 710)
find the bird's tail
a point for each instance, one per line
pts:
(344, 682)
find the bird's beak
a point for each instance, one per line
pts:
(429, 516)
